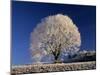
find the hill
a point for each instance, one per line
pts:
(81, 56)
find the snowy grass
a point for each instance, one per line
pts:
(42, 68)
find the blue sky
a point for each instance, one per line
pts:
(26, 15)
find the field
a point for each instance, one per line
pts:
(42, 68)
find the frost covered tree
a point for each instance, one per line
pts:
(37, 55)
(56, 34)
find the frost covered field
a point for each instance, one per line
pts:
(42, 68)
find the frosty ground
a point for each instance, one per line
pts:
(42, 68)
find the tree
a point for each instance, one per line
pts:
(56, 34)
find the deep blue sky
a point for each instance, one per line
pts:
(26, 15)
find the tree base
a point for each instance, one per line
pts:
(58, 61)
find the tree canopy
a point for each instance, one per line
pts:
(55, 34)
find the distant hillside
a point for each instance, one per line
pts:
(82, 56)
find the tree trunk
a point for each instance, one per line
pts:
(56, 56)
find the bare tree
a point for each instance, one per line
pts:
(56, 34)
